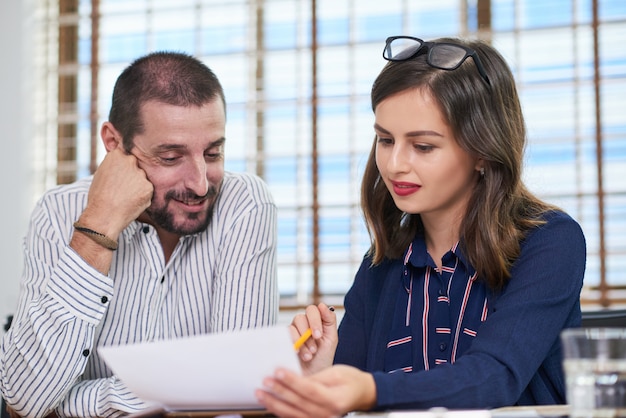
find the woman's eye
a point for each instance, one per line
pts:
(385, 141)
(423, 147)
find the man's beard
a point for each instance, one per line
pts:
(165, 219)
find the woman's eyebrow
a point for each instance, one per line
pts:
(424, 132)
(379, 128)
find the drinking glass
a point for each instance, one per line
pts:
(594, 362)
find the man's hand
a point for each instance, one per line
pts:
(119, 193)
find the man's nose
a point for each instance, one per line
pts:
(196, 177)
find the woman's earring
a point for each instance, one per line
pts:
(482, 171)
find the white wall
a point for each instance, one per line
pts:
(16, 173)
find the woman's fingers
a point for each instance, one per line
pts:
(289, 394)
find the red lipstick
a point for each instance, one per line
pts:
(404, 189)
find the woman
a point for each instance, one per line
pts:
(470, 278)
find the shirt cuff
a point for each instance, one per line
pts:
(81, 289)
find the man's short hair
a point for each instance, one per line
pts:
(173, 78)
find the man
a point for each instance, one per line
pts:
(160, 243)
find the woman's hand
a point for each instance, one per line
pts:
(319, 350)
(333, 392)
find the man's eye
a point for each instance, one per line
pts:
(169, 160)
(213, 156)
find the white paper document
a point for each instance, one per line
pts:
(206, 372)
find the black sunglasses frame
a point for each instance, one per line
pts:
(430, 46)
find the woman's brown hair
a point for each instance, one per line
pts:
(487, 122)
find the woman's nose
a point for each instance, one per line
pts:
(398, 160)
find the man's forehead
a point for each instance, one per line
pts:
(215, 104)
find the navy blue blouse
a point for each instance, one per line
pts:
(444, 339)
(437, 313)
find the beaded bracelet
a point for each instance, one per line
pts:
(98, 237)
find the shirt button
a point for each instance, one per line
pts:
(104, 299)
(85, 353)
(146, 229)
(442, 292)
(442, 346)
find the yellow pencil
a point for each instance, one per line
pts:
(302, 339)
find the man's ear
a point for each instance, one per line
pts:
(111, 138)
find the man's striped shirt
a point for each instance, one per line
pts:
(221, 279)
